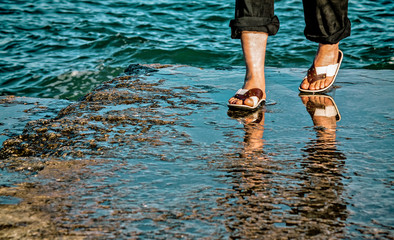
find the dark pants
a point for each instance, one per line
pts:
(326, 20)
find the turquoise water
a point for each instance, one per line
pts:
(158, 156)
(62, 49)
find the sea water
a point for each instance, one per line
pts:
(63, 48)
(158, 156)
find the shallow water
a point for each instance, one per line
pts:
(159, 156)
(63, 49)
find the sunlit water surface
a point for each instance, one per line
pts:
(159, 156)
(62, 49)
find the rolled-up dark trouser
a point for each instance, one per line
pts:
(326, 20)
(254, 15)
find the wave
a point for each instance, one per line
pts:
(42, 40)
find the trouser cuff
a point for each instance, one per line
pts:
(327, 38)
(258, 24)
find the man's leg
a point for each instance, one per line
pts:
(253, 47)
(254, 21)
(326, 23)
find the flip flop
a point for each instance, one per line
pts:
(318, 73)
(320, 110)
(255, 94)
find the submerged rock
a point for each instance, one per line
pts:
(136, 69)
(125, 110)
(155, 154)
(124, 117)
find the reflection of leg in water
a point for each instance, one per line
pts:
(247, 208)
(254, 129)
(322, 109)
(323, 205)
(325, 115)
(278, 199)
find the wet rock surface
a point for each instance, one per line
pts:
(154, 154)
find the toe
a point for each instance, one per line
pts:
(328, 81)
(249, 102)
(239, 102)
(304, 100)
(305, 84)
(327, 102)
(233, 100)
(312, 86)
(318, 100)
(317, 85)
(322, 84)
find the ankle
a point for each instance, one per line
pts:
(328, 47)
(326, 54)
(254, 82)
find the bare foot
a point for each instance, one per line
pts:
(327, 54)
(253, 47)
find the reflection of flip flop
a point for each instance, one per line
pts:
(241, 116)
(255, 94)
(318, 73)
(320, 110)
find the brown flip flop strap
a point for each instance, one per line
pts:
(313, 77)
(255, 92)
(241, 96)
(251, 93)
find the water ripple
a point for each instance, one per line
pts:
(65, 36)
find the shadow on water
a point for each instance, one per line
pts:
(270, 202)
